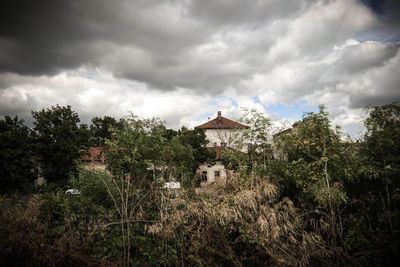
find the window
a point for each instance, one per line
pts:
(217, 174)
(204, 176)
(215, 144)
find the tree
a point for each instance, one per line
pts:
(255, 140)
(196, 139)
(381, 143)
(132, 151)
(16, 159)
(258, 134)
(317, 167)
(380, 151)
(134, 154)
(100, 129)
(59, 141)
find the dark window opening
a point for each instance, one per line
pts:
(204, 176)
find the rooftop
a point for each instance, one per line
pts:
(94, 153)
(221, 123)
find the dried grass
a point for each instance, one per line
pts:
(273, 227)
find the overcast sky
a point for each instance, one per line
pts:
(183, 61)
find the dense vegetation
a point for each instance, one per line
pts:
(313, 197)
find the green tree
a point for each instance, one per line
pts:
(59, 141)
(378, 187)
(258, 135)
(134, 150)
(140, 157)
(317, 167)
(179, 158)
(16, 159)
(135, 146)
(314, 151)
(381, 146)
(100, 129)
(196, 139)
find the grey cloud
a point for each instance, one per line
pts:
(45, 36)
(15, 102)
(240, 13)
(361, 101)
(356, 59)
(387, 11)
(383, 86)
(358, 74)
(366, 55)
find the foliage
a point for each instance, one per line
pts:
(381, 146)
(179, 158)
(101, 129)
(197, 140)
(376, 190)
(317, 167)
(59, 140)
(315, 153)
(16, 160)
(30, 239)
(258, 134)
(134, 151)
(236, 161)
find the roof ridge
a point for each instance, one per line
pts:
(221, 123)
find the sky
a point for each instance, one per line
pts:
(183, 61)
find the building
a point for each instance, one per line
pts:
(94, 159)
(221, 134)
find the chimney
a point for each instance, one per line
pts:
(219, 114)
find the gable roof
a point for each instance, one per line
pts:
(221, 123)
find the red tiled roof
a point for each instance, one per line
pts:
(221, 123)
(94, 153)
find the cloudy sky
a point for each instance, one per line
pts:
(184, 60)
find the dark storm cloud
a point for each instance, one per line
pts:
(149, 41)
(387, 11)
(45, 36)
(42, 37)
(355, 59)
(160, 42)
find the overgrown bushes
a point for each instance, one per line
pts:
(332, 202)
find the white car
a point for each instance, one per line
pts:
(173, 188)
(73, 191)
(172, 185)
